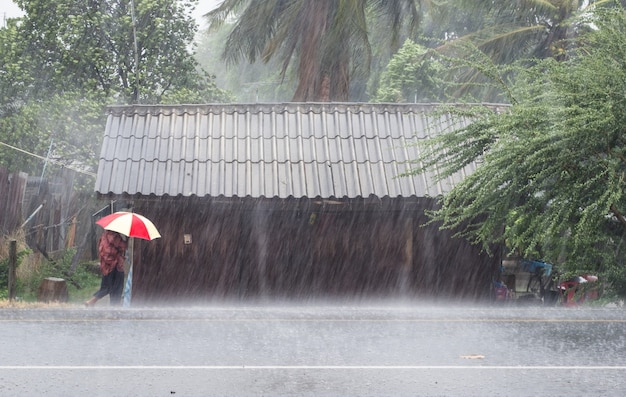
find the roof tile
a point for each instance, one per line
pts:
(269, 150)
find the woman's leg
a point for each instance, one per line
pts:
(117, 285)
(105, 288)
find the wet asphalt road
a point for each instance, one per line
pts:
(398, 349)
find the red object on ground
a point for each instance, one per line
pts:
(579, 289)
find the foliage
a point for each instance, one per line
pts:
(80, 284)
(412, 75)
(204, 92)
(249, 82)
(4, 272)
(65, 60)
(551, 170)
(326, 39)
(71, 123)
(83, 282)
(13, 79)
(89, 46)
(509, 33)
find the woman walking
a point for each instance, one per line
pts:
(112, 253)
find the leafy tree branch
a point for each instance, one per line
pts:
(549, 176)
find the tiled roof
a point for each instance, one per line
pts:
(327, 150)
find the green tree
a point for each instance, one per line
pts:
(66, 59)
(526, 29)
(507, 33)
(90, 46)
(412, 75)
(14, 78)
(249, 82)
(326, 39)
(73, 125)
(551, 170)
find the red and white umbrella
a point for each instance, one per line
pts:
(130, 224)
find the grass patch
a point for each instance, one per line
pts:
(81, 283)
(33, 268)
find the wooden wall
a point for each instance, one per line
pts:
(244, 248)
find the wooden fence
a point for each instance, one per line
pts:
(12, 188)
(50, 212)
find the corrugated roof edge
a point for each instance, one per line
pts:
(248, 197)
(291, 107)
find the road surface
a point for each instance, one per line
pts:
(385, 349)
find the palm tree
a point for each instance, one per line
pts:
(528, 28)
(503, 33)
(326, 40)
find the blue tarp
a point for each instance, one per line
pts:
(535, 266)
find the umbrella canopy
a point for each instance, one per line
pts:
(130, 224)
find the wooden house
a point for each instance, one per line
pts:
(293, 200)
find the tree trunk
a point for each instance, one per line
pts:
(315, 18)
(52, 289)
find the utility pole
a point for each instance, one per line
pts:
(134, 20)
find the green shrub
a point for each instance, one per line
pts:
(4, 273)
(80, 284)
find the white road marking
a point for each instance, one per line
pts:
(313, 367)
(305, 320)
